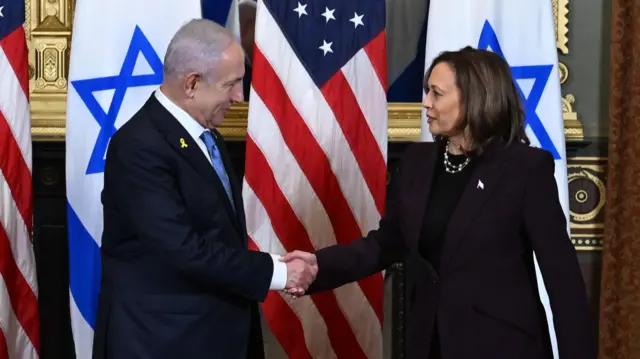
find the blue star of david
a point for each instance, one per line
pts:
(539, 73)
(120, 83)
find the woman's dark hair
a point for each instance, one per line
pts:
(490, 102)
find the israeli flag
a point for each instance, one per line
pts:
(523, 33)
(223, 12)
(116, 63)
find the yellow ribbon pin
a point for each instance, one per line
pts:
(183, 143)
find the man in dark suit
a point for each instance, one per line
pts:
(178, 280)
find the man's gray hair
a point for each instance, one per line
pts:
(196, 47)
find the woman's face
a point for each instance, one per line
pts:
(442, 102)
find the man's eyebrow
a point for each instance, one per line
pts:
(237, 79)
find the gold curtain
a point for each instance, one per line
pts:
(620, 299)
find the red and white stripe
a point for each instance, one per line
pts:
(316, 176)
(19, 319)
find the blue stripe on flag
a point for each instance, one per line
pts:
(84, 268)
(216, 10)
(409, 86)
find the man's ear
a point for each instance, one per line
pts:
(190, 83)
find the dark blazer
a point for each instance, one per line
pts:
(177, 278)
(485, 296)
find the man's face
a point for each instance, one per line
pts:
(211, 101)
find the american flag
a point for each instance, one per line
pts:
(19, 320)
(316, 151)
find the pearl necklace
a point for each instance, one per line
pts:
(450, 167)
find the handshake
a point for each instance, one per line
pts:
(302, 268)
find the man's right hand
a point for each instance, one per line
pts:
(302, 269)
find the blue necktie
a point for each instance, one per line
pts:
(216, 159)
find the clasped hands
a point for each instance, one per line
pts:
(302, 268)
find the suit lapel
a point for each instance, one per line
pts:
(484, 180)
(419, 189)
(186, 146)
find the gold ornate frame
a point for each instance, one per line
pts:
(49, 24)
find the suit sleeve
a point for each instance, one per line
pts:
(546, 226)
(345, 263)
(147, 193)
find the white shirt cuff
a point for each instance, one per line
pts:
(279, 279)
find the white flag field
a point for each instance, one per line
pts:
(115, 65)
(523, 32)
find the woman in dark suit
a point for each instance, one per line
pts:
(466, 214)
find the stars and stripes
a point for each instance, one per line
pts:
(316, 160)
(19, 319)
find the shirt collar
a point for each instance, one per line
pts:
(189, 123)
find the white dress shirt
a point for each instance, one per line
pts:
(194, 129)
